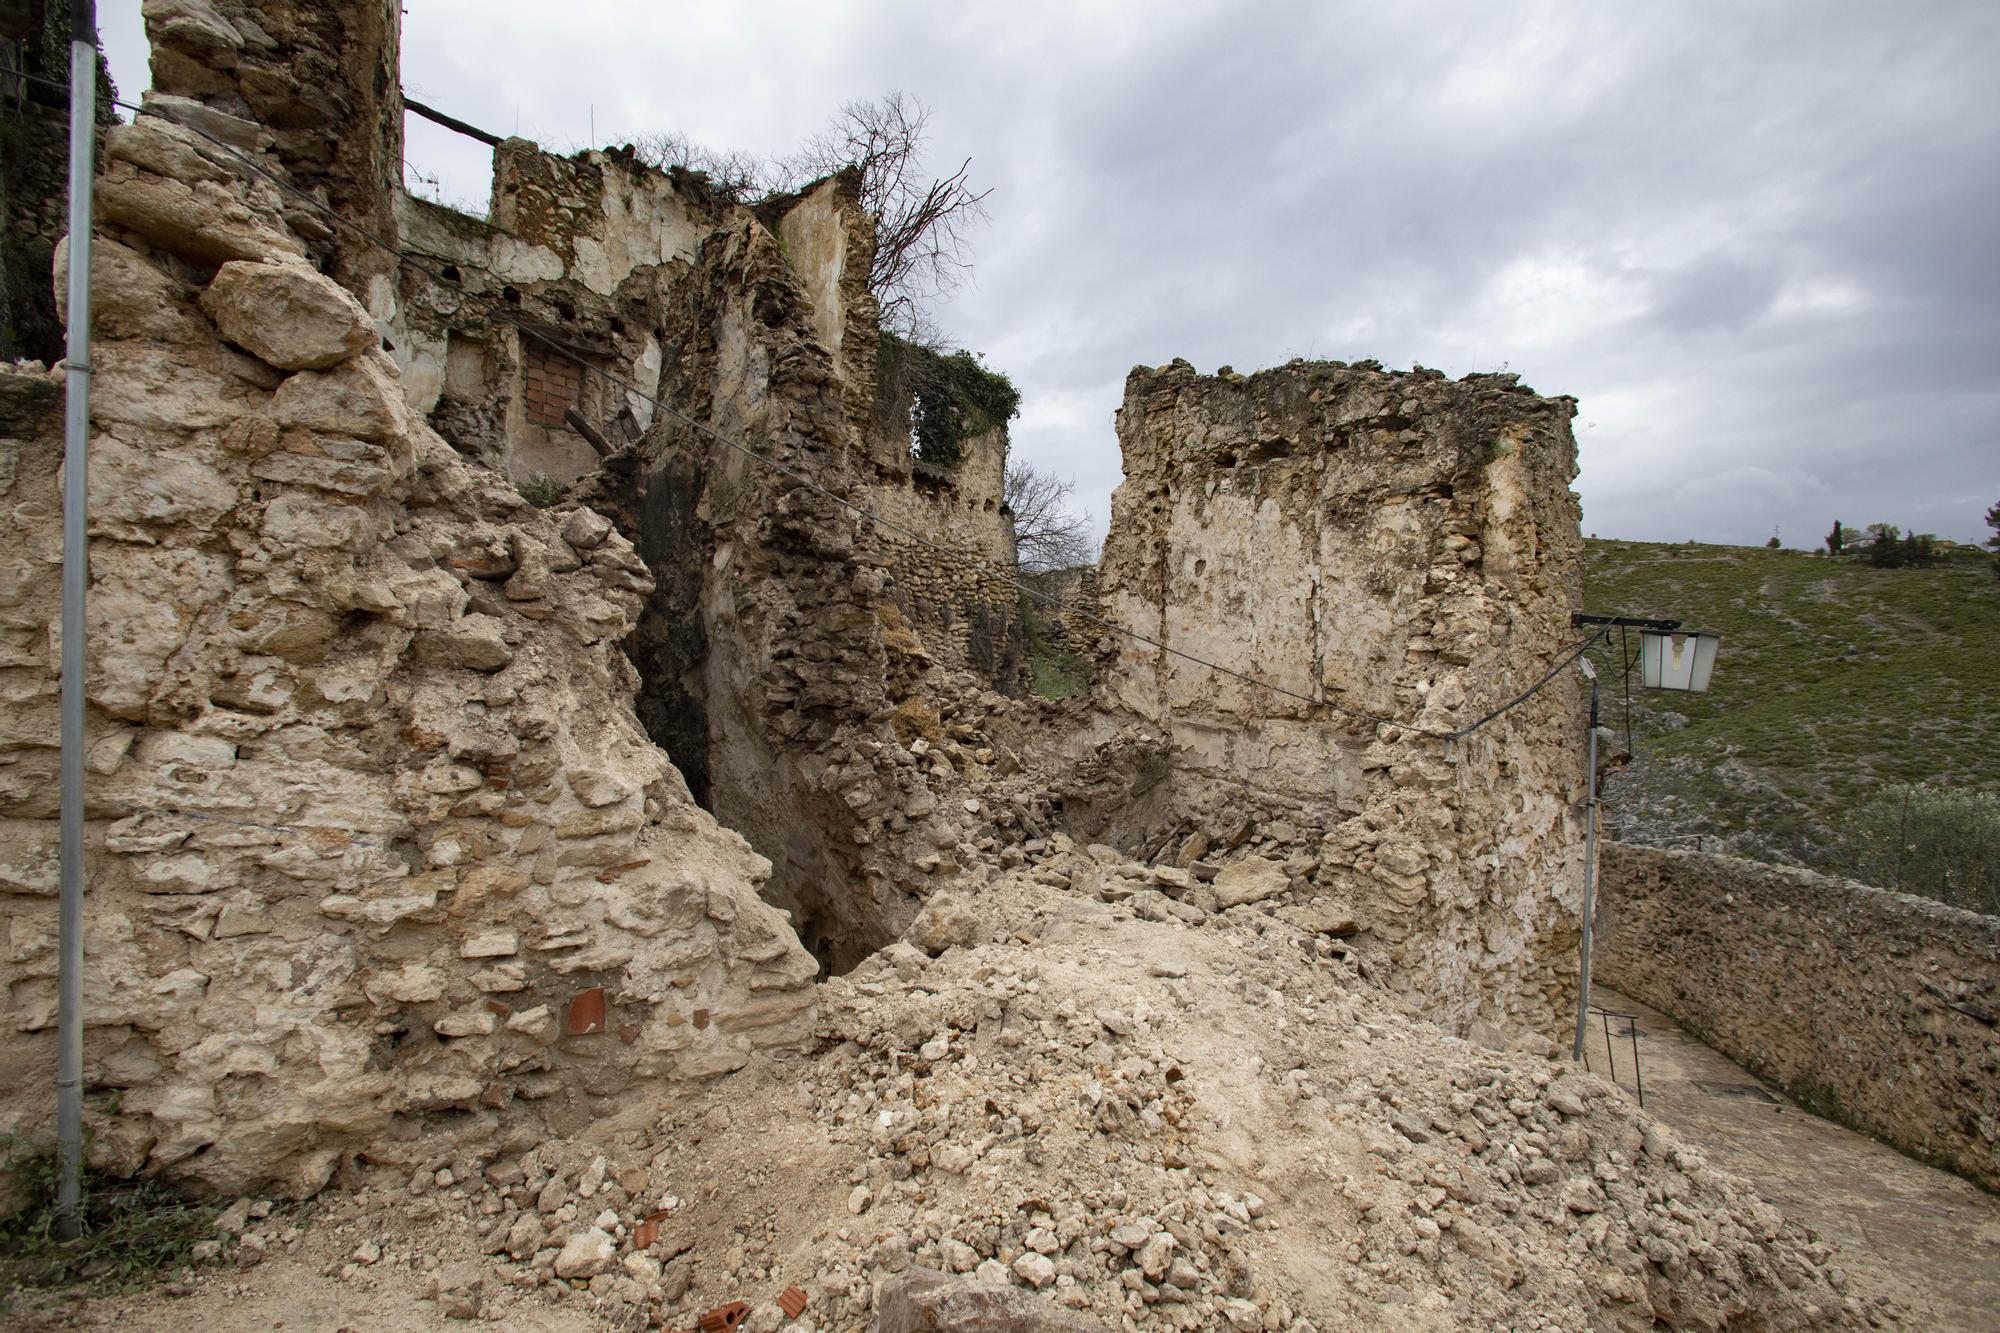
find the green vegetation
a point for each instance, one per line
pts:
(1055, 672)
(542, 490)
(1941, 844)
(134, 1231)
(955, 397)
(1836, 678)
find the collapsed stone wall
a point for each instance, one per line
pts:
(315, 85)
(581, 250)
(1877, 1009)
(1402, 551)
(404, 691)
(373, 832)
(1066, 601)
(834, 740)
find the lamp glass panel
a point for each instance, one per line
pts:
(1651, 652)
(1682, 660)
(1705, 646)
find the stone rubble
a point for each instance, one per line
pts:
(1102, 1122)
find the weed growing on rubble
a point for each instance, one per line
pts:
(134, 1231)
(542, 490)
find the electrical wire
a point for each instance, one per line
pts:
(570, 353)
(1524, 695)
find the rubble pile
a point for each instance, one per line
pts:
(1141, 1124)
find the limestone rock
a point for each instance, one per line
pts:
(1323, 916)
(948, 920)
(585, 528)
(586, 1254)
(925, 1299)
(1250, 880)
(475, 642)
(287, 315)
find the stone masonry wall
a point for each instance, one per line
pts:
(317, 85)
(965, 609)
(1402, 550)
(373, 831)
(1875, 1008)
(583, 249)
(34, 178)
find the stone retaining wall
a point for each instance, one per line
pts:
(1874, 1008)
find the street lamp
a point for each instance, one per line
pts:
(1670, 658)
(1677, 659)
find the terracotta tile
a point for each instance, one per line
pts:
(586, 1013)
(791, 1300)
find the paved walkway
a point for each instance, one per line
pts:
(1926, 1239)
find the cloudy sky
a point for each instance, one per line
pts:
(1759, 242)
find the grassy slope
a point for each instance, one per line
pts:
(1834, 678)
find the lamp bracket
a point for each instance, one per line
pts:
(1630, 622)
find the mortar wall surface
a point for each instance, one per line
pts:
(1402, 551)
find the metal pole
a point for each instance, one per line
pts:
(75, 575)
(1589, 883)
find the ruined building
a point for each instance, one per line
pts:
(409, 795)
(531, 677)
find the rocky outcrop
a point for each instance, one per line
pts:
(373, 830)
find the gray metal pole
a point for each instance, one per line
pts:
(1589, 883)
(75, 575)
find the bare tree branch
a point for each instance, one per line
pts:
(921, 225)
(732, 174)
(1048, 533)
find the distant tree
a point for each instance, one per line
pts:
(1773, 543)
(1833, 542)
(1048, 532)
(1885, 546)
(1919, 550)
(1993, 522)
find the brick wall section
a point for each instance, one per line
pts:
(1874, 1008)
(551, 384)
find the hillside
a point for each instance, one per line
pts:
(1834, 678)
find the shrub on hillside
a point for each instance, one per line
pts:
(1939, 842)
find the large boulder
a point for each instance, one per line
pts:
(288, 315)
(1250, 880)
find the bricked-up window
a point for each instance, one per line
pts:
(553, 383)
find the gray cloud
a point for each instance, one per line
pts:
(1756, 242)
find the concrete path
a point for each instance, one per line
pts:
(1925, 1239)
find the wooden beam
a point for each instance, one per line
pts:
(449, 122)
